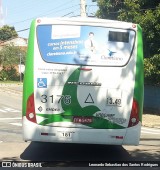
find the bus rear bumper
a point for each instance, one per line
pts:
(34, 132)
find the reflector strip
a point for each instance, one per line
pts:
(44, 134)
(119, 137)
(48, 134)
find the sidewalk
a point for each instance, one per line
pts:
(151, 120)
(12, 88)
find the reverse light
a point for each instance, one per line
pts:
(30, 112)
(134, 117)
(31, 115)
(133, 120)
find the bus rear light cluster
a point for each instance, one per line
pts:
(30, 113)
(134, 117)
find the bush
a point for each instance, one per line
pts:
(3, 75)
(152, 70)
(9, 74)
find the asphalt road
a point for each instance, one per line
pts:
(12, 146)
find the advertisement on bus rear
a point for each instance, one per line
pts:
(85, 45)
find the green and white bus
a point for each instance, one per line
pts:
(83, 82)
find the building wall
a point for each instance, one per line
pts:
(19, 42)
(152, 99)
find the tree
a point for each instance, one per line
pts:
(109, 9)
(10, 56)
(152, 70)
(144, 12)
(9, 59)
(7, 32)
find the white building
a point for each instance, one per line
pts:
(18, 41)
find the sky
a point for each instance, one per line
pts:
(20, 13)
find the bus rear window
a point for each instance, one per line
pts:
(85, 45)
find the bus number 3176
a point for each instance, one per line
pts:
(65, 98)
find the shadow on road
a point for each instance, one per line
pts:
(74, 152)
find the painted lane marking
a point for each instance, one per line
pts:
(3, 111)
(9, 118)
(155, 133)
(150, 130)
(7, 109)
(13, 118)
(16, 124)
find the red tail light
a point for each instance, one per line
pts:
(30, 113)
(134, 118)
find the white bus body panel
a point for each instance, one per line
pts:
(34, 132)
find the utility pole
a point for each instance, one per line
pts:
(83, 8)
(20, 70)
(1, 15)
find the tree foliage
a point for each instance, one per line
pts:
(9, 60)
(10, 56)
(7, 32)
(144, 12)
(109, 9)
(152, 70)
(9, 73)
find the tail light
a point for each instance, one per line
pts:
(134, 117)
(30, 113)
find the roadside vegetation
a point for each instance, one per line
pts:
(10, 55)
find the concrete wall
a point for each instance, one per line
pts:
(152, 98)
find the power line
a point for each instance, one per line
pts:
(47, 13)
(23, 30)
(42, 15)
(55, 10)
(60, 10)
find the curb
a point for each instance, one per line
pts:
(11, 88)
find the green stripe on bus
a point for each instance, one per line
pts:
(28, 84)
(139, 77)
